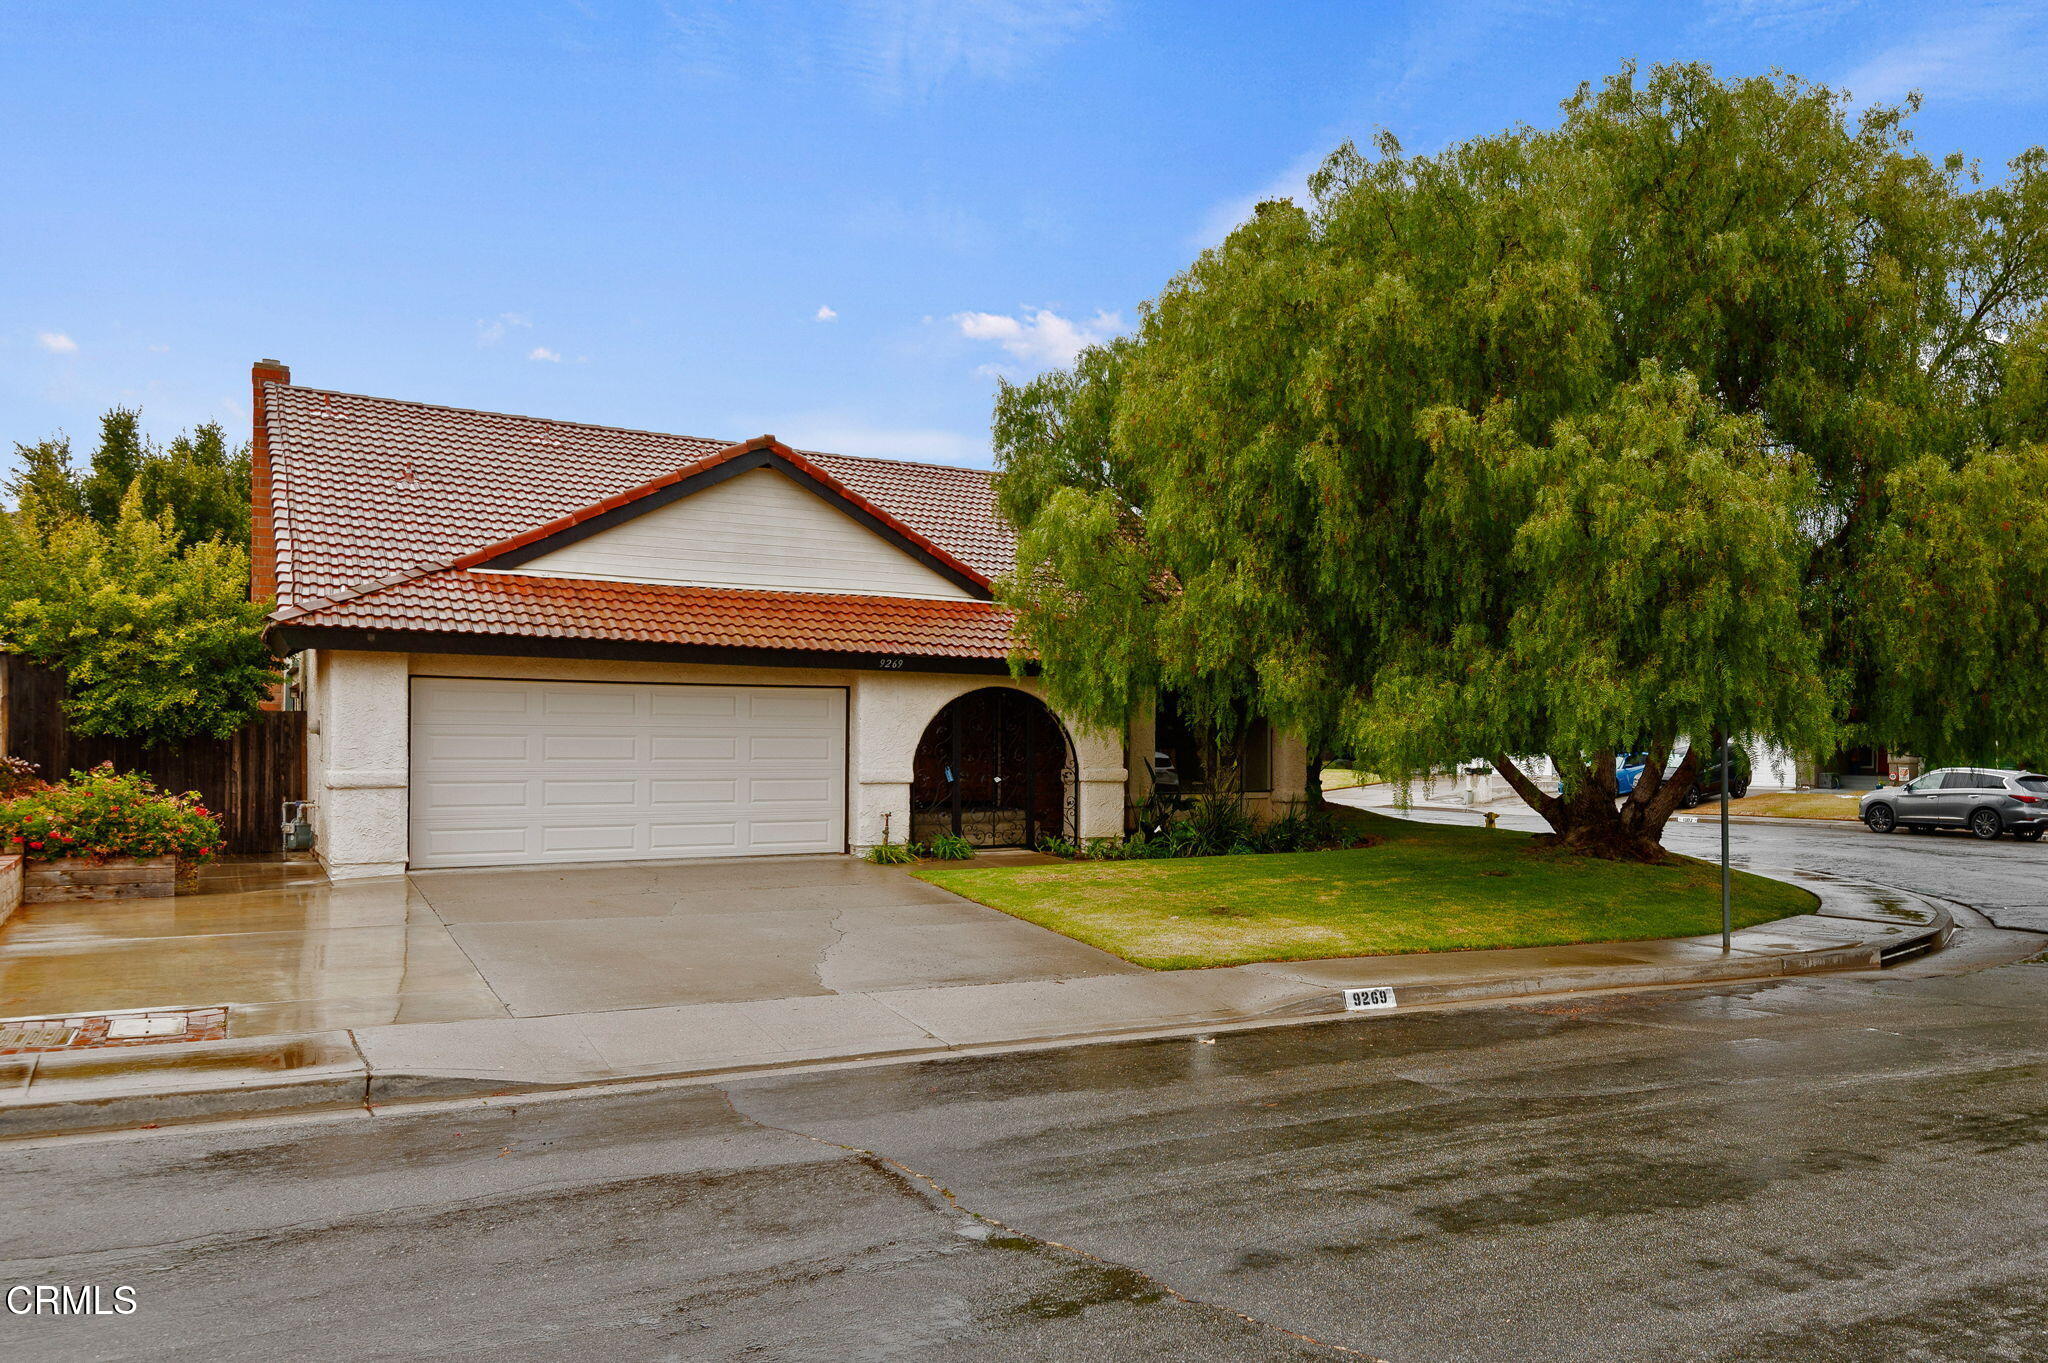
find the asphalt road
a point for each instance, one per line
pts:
(1837, 1169)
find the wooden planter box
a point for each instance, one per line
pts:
(74, 878)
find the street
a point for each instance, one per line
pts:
(1826, 1170)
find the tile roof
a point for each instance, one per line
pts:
(459, 601)
(374, 501)
(364, 487)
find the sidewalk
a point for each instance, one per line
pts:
(1855, 927)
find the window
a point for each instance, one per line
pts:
(1959, 780)
(1245, 762)
(1931, 781)
(1255, 756)
(2038, 785)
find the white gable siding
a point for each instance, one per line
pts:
(756, 530)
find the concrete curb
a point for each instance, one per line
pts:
(1856, 927)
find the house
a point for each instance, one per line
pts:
(525, 641)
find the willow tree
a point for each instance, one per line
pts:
(1552, 442)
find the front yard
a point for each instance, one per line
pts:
(1423, 887)
(1790, 804)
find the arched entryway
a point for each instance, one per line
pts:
(995, 767)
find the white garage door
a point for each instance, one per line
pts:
(506, 772)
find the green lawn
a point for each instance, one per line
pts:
(1424, 887)
(1789, 804)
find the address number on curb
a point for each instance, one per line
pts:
(1372, 996)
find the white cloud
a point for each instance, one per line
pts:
(159, 349)
(491, 330)
(1982, 51)
(1792, 15)
(893, 48)
(1038, 336)
(825, 314)
(56, 342)
(910, 47)
(1291, 183)
(845, 432)
(541, 352)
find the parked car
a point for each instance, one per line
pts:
(1628, 769)
(1706, 784)
(1987, 801)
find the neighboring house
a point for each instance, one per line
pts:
(528, 641)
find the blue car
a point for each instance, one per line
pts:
(1628, 769)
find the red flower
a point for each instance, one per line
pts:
(35, 844)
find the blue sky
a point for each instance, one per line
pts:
(833, 221)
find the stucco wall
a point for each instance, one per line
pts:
(360, 703)
(360, 717)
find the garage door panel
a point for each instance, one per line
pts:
(569, 837)
(695, 748)
(799, 832)
(694, 792)
(489, 796)
(716, 704)
(815, 706)
(484, 703)
(604, 702)
(554, 794)
(778, 789)
(512, 772)
(574, 747)
(455, 746)
(444, 845)
(694, 839)
(805, 748)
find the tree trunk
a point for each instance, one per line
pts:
(1590, 820)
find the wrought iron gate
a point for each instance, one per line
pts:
(995, 768)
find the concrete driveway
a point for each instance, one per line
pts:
(294, 953)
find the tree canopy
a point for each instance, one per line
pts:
(157, 639)
(199, 479)
(132, 576)
(1568, 439)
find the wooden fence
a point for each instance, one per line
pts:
(244, 780)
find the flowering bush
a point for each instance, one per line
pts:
(103, 813)
(17, 775)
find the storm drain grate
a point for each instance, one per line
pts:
(135, 1027)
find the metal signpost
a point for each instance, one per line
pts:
(1727, 919)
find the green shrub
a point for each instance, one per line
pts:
(891, 853)
(951, 847)
(103, 813)
(1219, 822)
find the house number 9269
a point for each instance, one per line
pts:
(889, 664)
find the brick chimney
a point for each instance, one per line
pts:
(262, 528)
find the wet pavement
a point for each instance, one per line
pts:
(1826, 1170)
(1821, 1170)
(291, 953)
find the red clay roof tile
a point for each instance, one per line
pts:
(374, 500)
(466, 602)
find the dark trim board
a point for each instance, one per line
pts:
(719, 473)
(290, 639)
